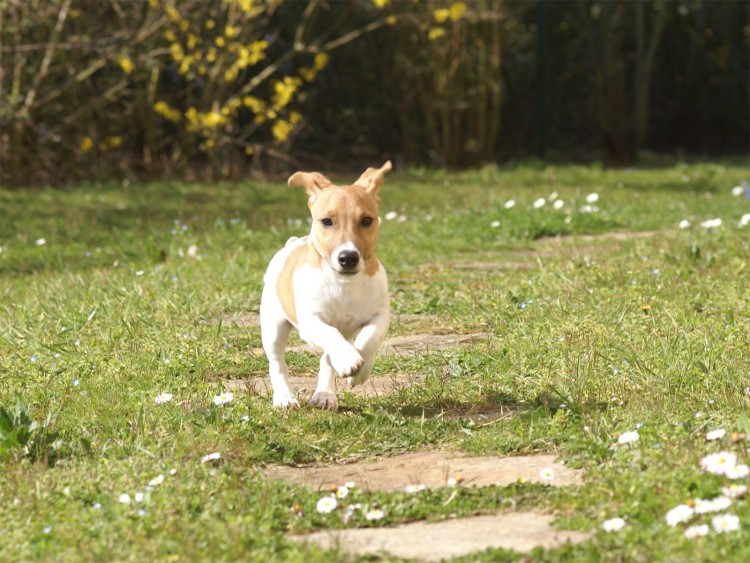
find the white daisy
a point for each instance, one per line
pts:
(714, 505)
(162, 398)
(684, 224)
(224, 398)
(539, 203)
(717, 434)
(589, 209)
(139, 497)
(415, 488)
(510, 203)
(740, 471)
(40, 242)
(725, 523)
(391, 215)
(374, 514)
(628, 437)
(697, 531)
(552, 196)
(495, 224)
(744, 220)
(679, 514)
(547, 474)
(124, 498)
(592, 198)
(211, 457)
(559, 204)
(734, 491)
(350, 484)
(718, 463)
(613, 524)
(342, 492)
(737, 191)
(156, 481)
(711, 223)
(327, 505)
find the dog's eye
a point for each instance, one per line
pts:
(367, 221)
(327, 222)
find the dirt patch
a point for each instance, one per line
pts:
(429, 468)
(520, 531)
(304, 387)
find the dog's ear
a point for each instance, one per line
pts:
(371, 178)
(312, 182)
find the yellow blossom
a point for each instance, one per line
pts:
(435, 33)
(168, 113)
(456, 11)
(390, 20)
(281, 129)
(184, 25)
(381, 3)
(284, 91)
(113, 141)
(254, 104)
(320, 61)
(86, 144)
(249, 151)
(191, 41)
(231, 31)
(441, 15)
(211, 55)
(126, 64)
(210, 24)
(220, 42)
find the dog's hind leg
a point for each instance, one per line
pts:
(325, 394)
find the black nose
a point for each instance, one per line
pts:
(348, 259)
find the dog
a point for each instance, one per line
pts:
(330, 286)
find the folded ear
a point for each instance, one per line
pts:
(371, 178)
(312, 182)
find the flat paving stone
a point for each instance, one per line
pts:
(519, 531)
(429, 468)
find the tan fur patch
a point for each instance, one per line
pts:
(304, 254)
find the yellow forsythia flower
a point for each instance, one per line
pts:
(126, 64)
(281, 129)
(440, 15)
(113, 141)
(381, 3)
(86, 144)
(456, 11)
(390, 20)
(435, 33)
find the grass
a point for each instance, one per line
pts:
(589, 337)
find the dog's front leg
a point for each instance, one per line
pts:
(344, 357)
(368, 342)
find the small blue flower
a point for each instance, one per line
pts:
(655, 271)
(33, 359)
(638, 424)
(141, 512)
(186, 335)
(77, 343)
(173, 231)
(47, 529)
(97, 506)
(711, 401)
(76, 382)
(245, 417)
(166, 360)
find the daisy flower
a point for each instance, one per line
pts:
(679, 514)
(224, 398)
(737, 191)
(559, 204)
(547, 474)
(744, 220)
(725, 523)
(415, 488)
(350, 484)
(711, 223)
(139, 497)
(628, 437)
(592, 198)
(734, 491)
(326, 505)
(539, 203)
(124, 498)
(156, 481)
(374, 514)
(391, 215)
(162, 398)
(613, 524)
(718, 463)
(717, 434)
(510, 203)
(684, 224)
(211, 457)
(697, 531)
(342, 492)
(714, 505)
(495, 224)
(740, 471)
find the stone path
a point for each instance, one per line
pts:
(521, 531)
(430, 468)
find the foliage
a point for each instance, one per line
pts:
(20, 433)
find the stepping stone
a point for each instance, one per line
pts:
(430, 468)
(304, 387)
(520, 531)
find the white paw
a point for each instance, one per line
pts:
(324, 400)
(346, 361)
(357, 379)
(285, 400)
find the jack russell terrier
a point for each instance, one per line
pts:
(330, 286)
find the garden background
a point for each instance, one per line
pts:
(96, 89)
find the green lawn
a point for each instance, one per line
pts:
(589, 337)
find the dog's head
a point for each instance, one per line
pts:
(344, 219)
